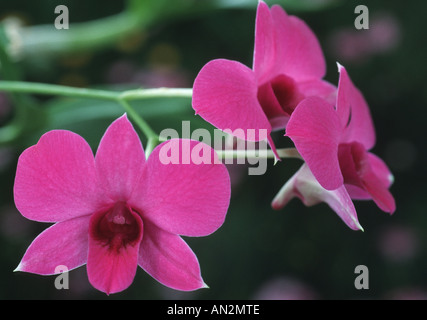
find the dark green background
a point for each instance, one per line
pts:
(302, 252)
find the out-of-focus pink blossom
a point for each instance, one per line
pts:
(407, 293)
(398, 243)
(351, 45)
(161, 77)
(12, 225)
(284, 288)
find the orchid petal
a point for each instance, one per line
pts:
(184, 192)
(265, 47)
(367, 172)
(286, 193)
(380, 194)
(298, 51)
(168, 259)
(63, 244)
(56, 179)
(225, 95)
(305, 186)
(376, 181)
(111, 267)
(319, 88)
(381, 170)
(357, 193)
(314, 128)
(354, 113)
(119, 160)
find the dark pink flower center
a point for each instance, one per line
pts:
(279, 96)
(353, 162)
(117, 227)
(357, 170)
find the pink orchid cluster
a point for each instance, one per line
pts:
(331, 127)
(119, 209)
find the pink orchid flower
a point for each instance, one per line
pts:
(288, 65)
(335, 144)
(303, 185)
(117, 210)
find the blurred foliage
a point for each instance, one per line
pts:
(167, 45)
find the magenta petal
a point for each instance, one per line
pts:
(185, 189)
(319, 88)
(360, 169)
(357, 193)
(169, 260)
(380, 169)
(314, 128)
(305, 186)
(111, 265)
(119, 160)
(288, 192)
(354, 113)
(56, 179)
(265, 47)
(340, 201)
(298, 52)
(380, 194)
(376, 181)
(225, 95)
(63, 244)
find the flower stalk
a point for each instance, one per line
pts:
(268, 154)
(123, 98)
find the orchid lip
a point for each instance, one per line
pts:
(117, 226)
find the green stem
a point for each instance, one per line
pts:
(53, 89)
(239, 154)
(140, 122)
(157, 93)
(151, 144)
(122, 99)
